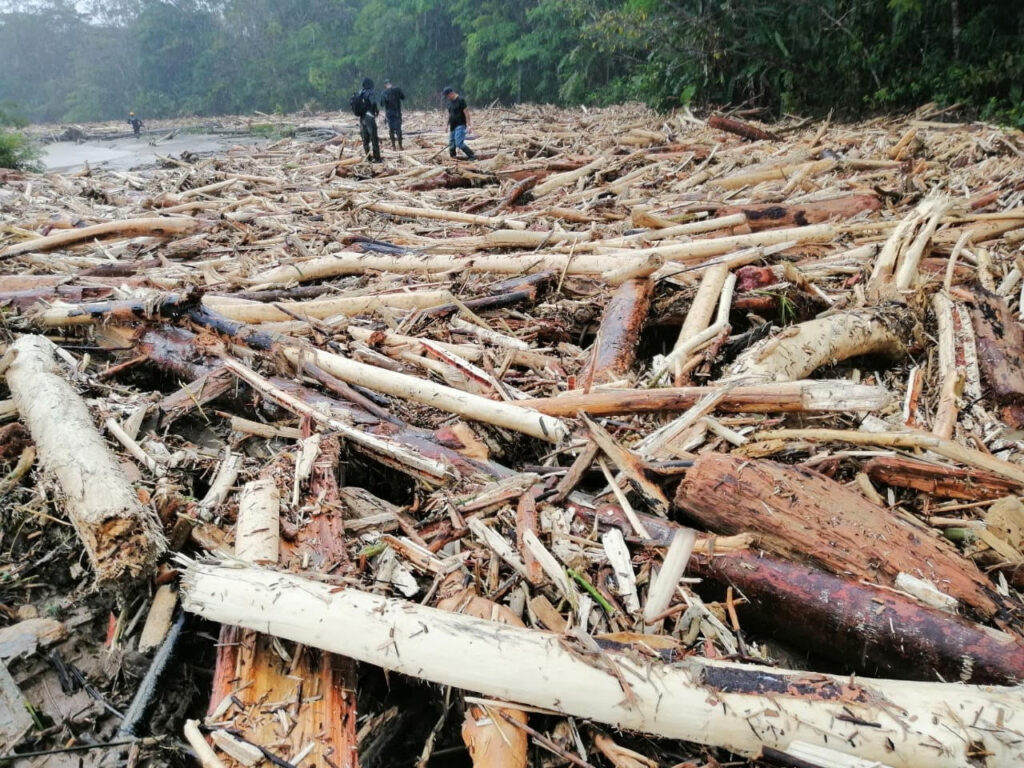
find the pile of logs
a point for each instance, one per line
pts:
(636, 425)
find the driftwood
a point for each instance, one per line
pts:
(940, 480)
(739, 707)
(807, 515)
(121, 536)
(1000, 339)
(619, 334)
(158, 227)
(768, 215)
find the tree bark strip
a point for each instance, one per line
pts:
(940, 480)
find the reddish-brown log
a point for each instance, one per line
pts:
(940, 479)
(740, 128)
(614, 350)
(801, 514)
(865, 628)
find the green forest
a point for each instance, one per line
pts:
(85, 61)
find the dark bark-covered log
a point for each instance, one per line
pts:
(444, 180)
(506, 293)
(940, 480)
(518, 189)
(805, 515)
(866, 629)
(1000, 340)
(769, 215)
(195, 394)
(614, 350)
(740, 128)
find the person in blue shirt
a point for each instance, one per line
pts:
(458, 123)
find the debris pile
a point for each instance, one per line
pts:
(640, 441)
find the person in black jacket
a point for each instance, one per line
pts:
(458, 122)
(135, 123)
(368, 120)
(391, 100)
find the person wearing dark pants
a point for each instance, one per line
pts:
(365, 107)
(391, 100)
(458, 123)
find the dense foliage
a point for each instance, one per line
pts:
(67, 60)
(16, 151)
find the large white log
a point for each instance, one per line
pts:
(738, 707)
(122, 536)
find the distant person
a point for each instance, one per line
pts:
(391, 100)
(458, 123)
(135, 123)
(364, 106)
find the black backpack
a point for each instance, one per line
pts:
(359, 103)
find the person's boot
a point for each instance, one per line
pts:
(470, 155)
(451, 153)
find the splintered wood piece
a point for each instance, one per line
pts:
(121, 536)
(631, 466)
(868, 629)
(739, 707)
(663, 588)
(257, 535)
(622, 322)
(806, 515)
(941, 480)
(617, 552)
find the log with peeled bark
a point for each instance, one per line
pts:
(622, 322)
(798, 351)
(941, 480)
(771, 215)
(802, 514)
(806, 395)
(866, 629)
(122, 537)
(148, 227)
(429, 393)
(740, 128)
(737, 707)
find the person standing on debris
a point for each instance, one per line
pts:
(364, 106)
(135, 123)
(391, 100)
(458, 123)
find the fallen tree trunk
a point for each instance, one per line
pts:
(940, 479)
(151, 227)
(122, 537)
(740, 708)
(866, 629)
(1000, 344)
(809, 516)
(621, 325)
(797, 352)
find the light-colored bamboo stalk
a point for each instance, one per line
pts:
(737, 707)
(429, 393)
